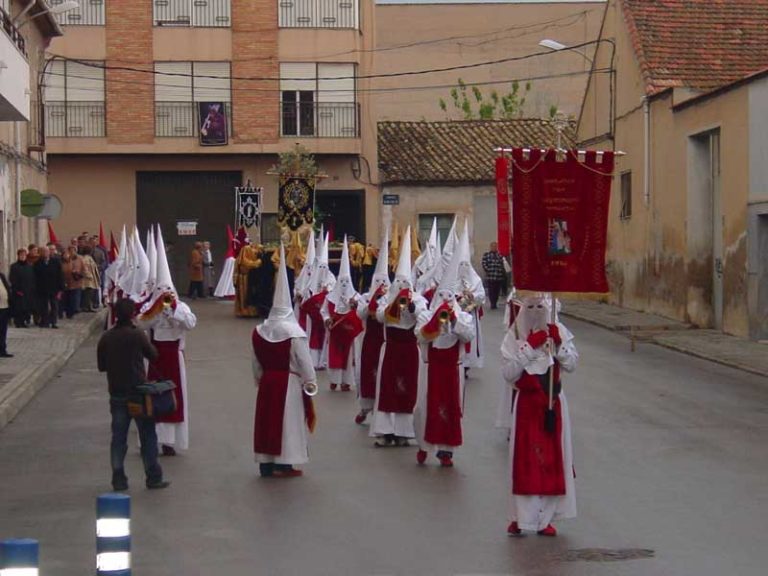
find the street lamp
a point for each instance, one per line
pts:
(65, 6)
(557, 46)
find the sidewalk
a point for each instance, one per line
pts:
(711, 345)
(39, 353)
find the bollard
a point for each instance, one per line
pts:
(113, 535)
(19, 557)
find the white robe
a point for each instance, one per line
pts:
(462, 332)
(344, 375)
(226, 286)
(295, 445)
(394, 422)
(532, 512)
(476, 355)
(169, 327)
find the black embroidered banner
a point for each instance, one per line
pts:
(248, 206)
(297, 201)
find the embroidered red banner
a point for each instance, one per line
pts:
(502, 205)
(560, 219)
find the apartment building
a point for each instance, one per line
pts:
(27, 27)
(129, 88)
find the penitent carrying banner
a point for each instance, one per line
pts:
(560, 219)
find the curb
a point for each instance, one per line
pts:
(703, 356)
(26, 384)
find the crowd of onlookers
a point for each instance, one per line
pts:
(48, 283)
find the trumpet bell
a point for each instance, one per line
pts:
(310, 388)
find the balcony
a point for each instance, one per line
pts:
(196, 13)
(74, 120)
(14, 75)
(320, 119)
(182, 119)
(88, 13)
(318, 13)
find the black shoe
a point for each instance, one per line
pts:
(119, 481)
(54, 326)
(158, 484)
(167, 450)
(6, 355)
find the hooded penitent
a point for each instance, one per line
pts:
(127, 267)
(163, 282)
(344, 290)
(431, 278)
(226, 286)
(403, 272)
(141, 268)
(281, 323)
(149, 285)
(381, 273)
(448, 288)
(427, 258)
(469, 279)
(322, 277)
(302, 281)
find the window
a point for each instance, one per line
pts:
(626, 196)
(318, 100)
(87, 13)
(197, 13)
(179, 86)
(74, 99)
(318, 13)
(444, 223)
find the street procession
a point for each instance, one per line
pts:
(383, 287)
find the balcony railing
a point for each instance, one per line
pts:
(181, 119)
(35, 128)
(318, 13)
(6, 22)
(199, 13)
(320, 119)
(74, 120)
(89, 13)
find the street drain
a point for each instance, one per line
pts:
(606, 554)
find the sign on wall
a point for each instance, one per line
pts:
(186, 228)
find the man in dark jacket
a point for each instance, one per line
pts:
(22, 277)
(49, 286)
(121, 353)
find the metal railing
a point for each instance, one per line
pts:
(35, 128)
(6, 23)
(320, 119)
(197, 13)
(182, 119)
(88, 13)
(74, 120)
(318, 13)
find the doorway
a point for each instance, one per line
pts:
(342, 212)
(203, 200)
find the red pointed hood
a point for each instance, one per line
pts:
(230, 244)
(51, 234)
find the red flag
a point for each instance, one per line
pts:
(51, 234)
(112, 247)
(102, 240)
(502, 205)
(230, 244)
(560, 220)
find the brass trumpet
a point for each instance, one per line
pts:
(310, 388)
(444, 317)
(403, 302)
(167, 301)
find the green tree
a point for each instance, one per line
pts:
(474, 105)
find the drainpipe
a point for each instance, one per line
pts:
(646, 150)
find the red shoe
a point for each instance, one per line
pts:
(346, 387)
(360, 418)
(514, 530)
(421, 456)
(292, 473)
(333, 386)
(446, 461)
(548, 531)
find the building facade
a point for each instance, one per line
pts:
(27, 28)
(689, 214)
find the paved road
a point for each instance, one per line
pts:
(670, 456)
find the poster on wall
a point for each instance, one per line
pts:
(560, 219)
(213, 123)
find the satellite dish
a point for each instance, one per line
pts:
(51, 207)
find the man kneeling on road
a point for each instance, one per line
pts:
(121, 352)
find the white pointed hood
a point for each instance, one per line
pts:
(141, 267)
(302, 281)
(344, 291)
(381, 273)
(448, 288)
(128, 269)
(426, 259)
(163, 280)
(432, 278)
(469, 279)
(281, 323)
(403, 272)
(115, 268)
(322, 277)
(152, 257)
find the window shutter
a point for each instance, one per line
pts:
(333, 89)
(174, 88)
(212, 82)
(54, 82)
(84, 83)
(292, 72)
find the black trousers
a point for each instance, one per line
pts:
(48, 310)
(196, 289)
(5, 315)
(494, 287)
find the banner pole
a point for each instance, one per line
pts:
(549, 417)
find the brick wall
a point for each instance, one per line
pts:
(254, 50)
(130, 95)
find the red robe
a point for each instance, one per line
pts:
(399, 372)
(341, 335)
(538, 458)
(167, 367)
(311, 307)
(443, 422)
(369, 357)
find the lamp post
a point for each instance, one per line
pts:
(19, 557)
(557, 46)
(113, 535)
(65, 6)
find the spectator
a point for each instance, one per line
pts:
(121, 353)
(74, 271)
(33, 254)
(91, 281)
(49, 286)
(101, 257)
(22, 277)
(196, 272)
(495, 274)
(5, 315)
(207, 269)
